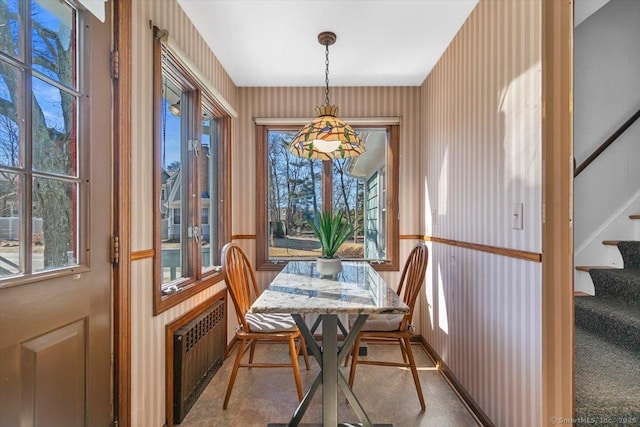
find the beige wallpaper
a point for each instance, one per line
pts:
(147, 331)
(481, 134)
(469, 151)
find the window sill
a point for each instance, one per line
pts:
(186, 290)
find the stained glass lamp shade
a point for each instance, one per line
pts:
(326, 137)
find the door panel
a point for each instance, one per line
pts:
(50, 363)
(67, 304)
(55, 333)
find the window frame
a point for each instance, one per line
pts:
(81, 167)
(194, 279)
(263, 262)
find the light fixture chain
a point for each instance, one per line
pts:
(326, 137)
(326, 74)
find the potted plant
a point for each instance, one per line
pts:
(332, 230)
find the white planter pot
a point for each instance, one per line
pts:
(329, 266)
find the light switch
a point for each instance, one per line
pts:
(516, 216)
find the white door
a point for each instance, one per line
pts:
(55, 216)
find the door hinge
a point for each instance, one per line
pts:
(115, 64)
(115, 250)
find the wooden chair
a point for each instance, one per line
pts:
(389, 327)
(253, 328)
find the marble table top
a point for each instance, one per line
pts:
(299, 288)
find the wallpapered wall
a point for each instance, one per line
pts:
(469, 150)
(147, 331)
(481, 130)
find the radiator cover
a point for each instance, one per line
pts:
(198, 353)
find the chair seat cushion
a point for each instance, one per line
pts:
(380, 322)
(271, 322)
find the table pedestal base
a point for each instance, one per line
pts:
(330, 378)
(339, 425)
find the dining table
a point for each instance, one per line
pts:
(358, 291)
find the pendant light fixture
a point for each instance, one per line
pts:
(326, 137)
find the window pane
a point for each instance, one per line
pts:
(208, 173)
(53, 217)
(11, 114)
(348, 196)
(54, 119)
(52, 31)
(360, 189)
(55, 224)
(10, 28)
(171, 194)
(294, 193)
(10, 224)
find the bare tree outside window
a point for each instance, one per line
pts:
(348, 196)
(49, 183)
(294, 194)
(294, 190)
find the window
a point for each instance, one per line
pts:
(292, 189)
(42, 207)
(190, 186)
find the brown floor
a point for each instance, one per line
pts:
(263, 396)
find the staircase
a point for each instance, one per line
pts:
(607, 339)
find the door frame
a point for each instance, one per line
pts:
(557, 202)
(121, 62)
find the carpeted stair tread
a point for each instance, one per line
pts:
(614, 321)
(617, 284)
(630, 251)
(607, 379)
(607, 340)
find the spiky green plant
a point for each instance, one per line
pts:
(332, 231)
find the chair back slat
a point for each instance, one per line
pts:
(240, 280)
(412, 279)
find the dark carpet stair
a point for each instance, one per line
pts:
(622, 285)
(607, 381)
(607, 366)
(614, 321)
(630, 251)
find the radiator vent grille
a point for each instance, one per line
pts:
(195, 333)
(198, 353)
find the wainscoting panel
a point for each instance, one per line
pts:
(484, 321)
(482, 154)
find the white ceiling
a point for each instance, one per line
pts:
(379, 43)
